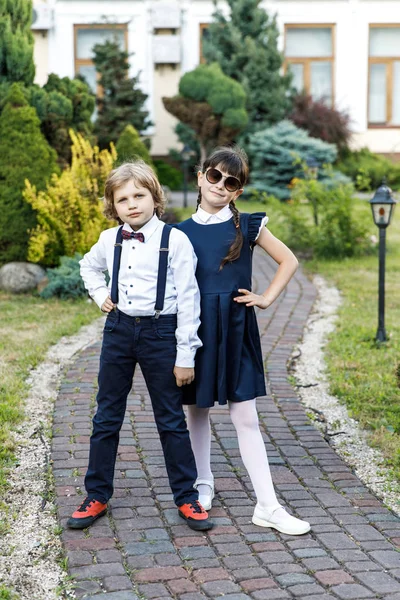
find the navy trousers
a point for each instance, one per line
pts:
(151, 343)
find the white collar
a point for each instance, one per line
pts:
(222, 215)
(148, 228)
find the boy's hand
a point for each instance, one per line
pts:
(183, 375)
(108, 305)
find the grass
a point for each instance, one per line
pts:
(6, 594)
(29, 326)
(364, 374)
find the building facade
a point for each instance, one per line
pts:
(345, 51)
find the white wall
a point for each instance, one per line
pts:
(135, 14)
(351, 19)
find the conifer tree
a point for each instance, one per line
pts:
(245, 46)
(24, 154)
(129, 146)
(122, 101)
(16, 42)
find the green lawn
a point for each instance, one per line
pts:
(28, 327)
(363, 374)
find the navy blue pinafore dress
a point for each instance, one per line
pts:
(229, 365)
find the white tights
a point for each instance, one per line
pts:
(251, 445)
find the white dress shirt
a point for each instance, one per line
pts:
(202, 217)
(137, 281)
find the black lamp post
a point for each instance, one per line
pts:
(186, 153)
(382, 205)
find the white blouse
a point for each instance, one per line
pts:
(202, 217)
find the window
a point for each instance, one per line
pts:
(384, 75)
(203, 36)
(310, 53)
(87, 36)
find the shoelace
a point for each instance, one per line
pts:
(196, 507)
(85, 504)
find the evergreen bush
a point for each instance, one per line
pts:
(63, 104)
(24, 154)
(169, 175)
(70, 211)
(211, 104)
(65, 281)
(367, 169)
(129, 146)
(278, 153)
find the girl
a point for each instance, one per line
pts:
(229, 366)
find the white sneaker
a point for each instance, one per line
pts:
(276, 516)
(205, 499)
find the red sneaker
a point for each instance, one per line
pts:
(195, 516)
(86, 514)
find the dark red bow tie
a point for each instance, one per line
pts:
(128, 235)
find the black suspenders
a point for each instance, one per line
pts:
(162, 268)
(117, 262)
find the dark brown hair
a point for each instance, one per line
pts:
(142, 174)
(232, 160)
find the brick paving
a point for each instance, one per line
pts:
(143, 550)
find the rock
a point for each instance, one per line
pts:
(18, 277)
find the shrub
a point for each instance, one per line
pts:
(367, 169)
(277, 155)
(129, 146)
(24, 154)
(69, 211)
(61, 105)
(321, 121)
(169, 175)
(67, 104)
(211, 104)
(65, 281)
(289, 222)
(336, 232)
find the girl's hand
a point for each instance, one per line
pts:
(250, 299)
(183, 375)
(108, 305)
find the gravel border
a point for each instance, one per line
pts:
(31, 549)
(332, 418)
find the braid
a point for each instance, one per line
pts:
(198, 199)
(236, 246)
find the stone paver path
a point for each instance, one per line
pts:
(143, 550)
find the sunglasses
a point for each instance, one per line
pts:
(231, 183)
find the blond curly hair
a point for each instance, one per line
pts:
(142, 174)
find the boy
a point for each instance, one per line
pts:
(153, 316)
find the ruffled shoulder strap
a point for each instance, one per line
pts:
(255, 220)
